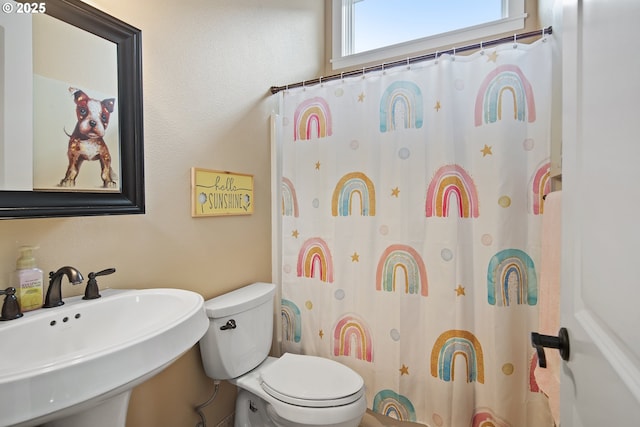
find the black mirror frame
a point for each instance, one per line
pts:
(130, 200)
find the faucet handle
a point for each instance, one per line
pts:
(11, 306)
(104, 272)
(92, 291)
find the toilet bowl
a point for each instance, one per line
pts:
(293, 390)
(307, 392)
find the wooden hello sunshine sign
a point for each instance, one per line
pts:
(215, 193)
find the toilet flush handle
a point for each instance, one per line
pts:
(231, 324)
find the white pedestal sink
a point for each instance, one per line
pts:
(75, 365)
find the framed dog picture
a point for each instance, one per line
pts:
(73, 114)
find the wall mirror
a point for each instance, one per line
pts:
(70, 112)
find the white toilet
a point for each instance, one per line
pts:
(293, 390)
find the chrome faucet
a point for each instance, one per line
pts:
(54, 293)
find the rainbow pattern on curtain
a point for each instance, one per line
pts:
(312, 119)
(452, 181)
(505, 81)
(401, 261)
(411, 212)
(355, 185)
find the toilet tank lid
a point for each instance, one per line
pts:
(239, 300)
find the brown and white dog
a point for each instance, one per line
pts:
(87, 142)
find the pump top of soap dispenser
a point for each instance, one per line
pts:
(26, 259)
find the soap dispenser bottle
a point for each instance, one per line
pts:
(28, 280)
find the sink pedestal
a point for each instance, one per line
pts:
(109, 413)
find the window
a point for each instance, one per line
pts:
(374, 30)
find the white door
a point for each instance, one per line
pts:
(600, 384)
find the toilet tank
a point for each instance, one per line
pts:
(240, 331)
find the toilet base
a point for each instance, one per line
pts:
(252, 411)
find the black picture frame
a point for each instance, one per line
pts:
(131, 198)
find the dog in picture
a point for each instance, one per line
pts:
(87, 140)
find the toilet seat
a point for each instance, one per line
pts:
(311, 381)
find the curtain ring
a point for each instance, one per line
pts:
(320, 81)
(383, 71)
(363, 72)
(515, 41)
(481, 48)
(408, 64)
(453, 58)
(436, 58)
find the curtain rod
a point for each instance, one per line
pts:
(414, 59)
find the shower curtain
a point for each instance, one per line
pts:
(411, 202)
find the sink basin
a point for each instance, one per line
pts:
(58, 362)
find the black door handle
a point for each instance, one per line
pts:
(561, 342)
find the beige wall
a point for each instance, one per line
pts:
(208, 65)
